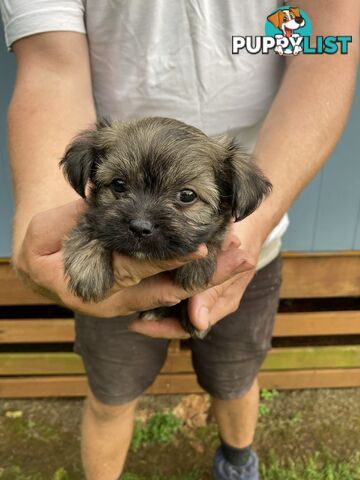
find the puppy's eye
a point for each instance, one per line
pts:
(118, 185)
(187, 196)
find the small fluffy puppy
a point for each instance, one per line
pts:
(156, 188)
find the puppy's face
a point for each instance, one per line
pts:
(157, 187)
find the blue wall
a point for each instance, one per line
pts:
(7, 77)
(327, 214)
(325, 217)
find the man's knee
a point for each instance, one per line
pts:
(103, 412)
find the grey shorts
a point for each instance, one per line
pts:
(120, 364)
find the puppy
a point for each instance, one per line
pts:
(156, 188)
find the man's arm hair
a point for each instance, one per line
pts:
(52, 101)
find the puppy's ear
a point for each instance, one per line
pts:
(82, 157)
(248, 185)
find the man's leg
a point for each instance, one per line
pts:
(227, 362)
(237, 418)
(120, 366)
(106, 435)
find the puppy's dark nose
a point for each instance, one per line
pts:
(141, 228)
(299, 20)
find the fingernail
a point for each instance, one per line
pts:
(203, 318)
(202, 251)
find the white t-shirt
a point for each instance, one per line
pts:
(168, 58)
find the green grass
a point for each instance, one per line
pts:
(308, 471)
(182, 476)
(266, 398)
(272, 469)
(38, 445)
(160, 428)
(312, 470)
(16, 473)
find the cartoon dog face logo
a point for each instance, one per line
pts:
(287, 20)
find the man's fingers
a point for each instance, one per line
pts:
(160, 290)
(153, 292)
(230, 263)
(162, 328)
(201, 306)
(129, 271)
(213, 304)
(47, 229)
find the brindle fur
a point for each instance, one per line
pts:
(156, 158)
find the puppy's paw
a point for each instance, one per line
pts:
(195, 275)
(88, 270)
(157, 313)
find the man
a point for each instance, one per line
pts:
(169, 58)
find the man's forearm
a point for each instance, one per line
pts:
(308, 114)
(49, 106)
(302, 128)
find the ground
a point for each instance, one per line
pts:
(301, 435)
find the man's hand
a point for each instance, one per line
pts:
(213, 304)
(140, 284)
(205, 308)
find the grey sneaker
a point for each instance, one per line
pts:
(223, 470)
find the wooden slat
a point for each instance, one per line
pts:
(67, 363)
(13, 292)
(329, 274)
(76, 386)
(317, 323)
(178, 362)
(299, 379)
(63, 363)
(313, 357)
(47, 386)
(174, 345)
(54, 330)
(289, 380)
(305, 275)
(171, 384)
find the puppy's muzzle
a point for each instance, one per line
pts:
(141, 228)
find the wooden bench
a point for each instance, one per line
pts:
(314, 346)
